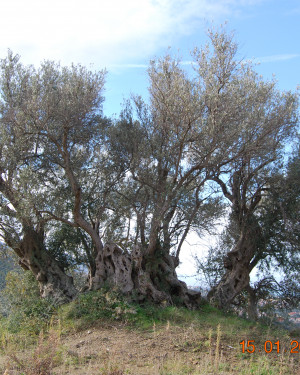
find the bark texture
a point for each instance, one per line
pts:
(52, 279)
(142, 276)
(238, 267)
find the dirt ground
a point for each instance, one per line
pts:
(118, 350)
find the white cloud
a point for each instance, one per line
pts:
(273, 58)
(129, 66)
(109, 32)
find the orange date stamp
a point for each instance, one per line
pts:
(269, 347)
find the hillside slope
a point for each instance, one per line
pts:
(156, 341)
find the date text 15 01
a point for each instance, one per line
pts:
(250, 347)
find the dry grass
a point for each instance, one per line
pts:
(39, 361)
(203, 344)
(168, 350)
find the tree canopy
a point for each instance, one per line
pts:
(121, 196)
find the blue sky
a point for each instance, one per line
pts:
(122, 36)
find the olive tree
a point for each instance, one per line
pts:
(256, 121)
(135, 188)
(48, 122)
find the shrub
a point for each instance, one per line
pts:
(25, 309)
(103, 303)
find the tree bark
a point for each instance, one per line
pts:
(142, 276)
(238, 267)
(52, 279)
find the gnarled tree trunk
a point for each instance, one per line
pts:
(142, 276)
(238, 267)
(52, 279)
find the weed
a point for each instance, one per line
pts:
(111, 370)
(209, 343)
(217, 352)
(27, 311)
(184, 342)
(44, 358)
(176, 368)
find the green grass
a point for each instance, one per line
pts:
(207, 335)
(104, 305)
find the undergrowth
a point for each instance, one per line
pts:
(41, 361)
(30, 336)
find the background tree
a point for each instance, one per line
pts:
(7, 264)
(263, 119)
(277, 217)
(34, 104)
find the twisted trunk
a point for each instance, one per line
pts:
(144, 277)
(238, 267)
(52, 279)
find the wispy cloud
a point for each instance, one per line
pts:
(128, 66)
(274, 58)
(102, 31)
(143, 66)
(264, 59)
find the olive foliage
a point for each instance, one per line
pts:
(121, 196)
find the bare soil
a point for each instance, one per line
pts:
(115, 349)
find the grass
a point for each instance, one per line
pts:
(102, 334)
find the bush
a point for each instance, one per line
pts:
(103, 303)
(25, 309)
